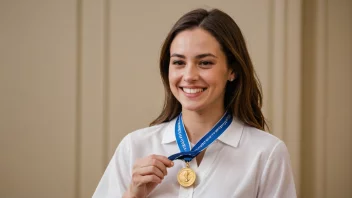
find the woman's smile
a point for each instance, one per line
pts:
(192, 92)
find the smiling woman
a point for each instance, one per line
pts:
(211, 124)
(215, 31)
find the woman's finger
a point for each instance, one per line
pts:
(163, 159)
(150, 178)
(157, 163)
(150, 170)
(140, 180)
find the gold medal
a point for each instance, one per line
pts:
(186, 176)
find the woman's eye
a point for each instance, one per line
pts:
(206, 63)
(177, 62)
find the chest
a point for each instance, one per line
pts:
(222, 173)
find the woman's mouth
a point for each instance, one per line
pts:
(192, 93)
(193, 90)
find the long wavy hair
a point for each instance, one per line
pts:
(243, 96)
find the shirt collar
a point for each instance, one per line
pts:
(169, 132)
(231, 136)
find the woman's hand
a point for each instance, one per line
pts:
(147, 173)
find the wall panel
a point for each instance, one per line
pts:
(92, 101)
(326, 112)
(38, 97)
(339, 100)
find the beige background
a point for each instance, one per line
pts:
(77, 76)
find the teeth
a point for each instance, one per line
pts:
(192, 91)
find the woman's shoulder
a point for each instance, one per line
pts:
(260, 135)
(262, 141)
(144, 141)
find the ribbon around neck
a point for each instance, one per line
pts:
(187, 154)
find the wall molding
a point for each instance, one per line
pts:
(93, 88)
(320, 84)
(285, 85)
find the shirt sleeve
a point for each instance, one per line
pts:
(277, 178)
(117, 175)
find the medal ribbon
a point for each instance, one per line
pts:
(184, 145)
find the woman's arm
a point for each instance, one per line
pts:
(277, 178)
(117, 176)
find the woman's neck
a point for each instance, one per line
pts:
(198, 123)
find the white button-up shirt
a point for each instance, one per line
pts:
(244, 163)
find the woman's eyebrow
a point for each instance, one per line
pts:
(197, 57)
(205, 55)
(178, 55)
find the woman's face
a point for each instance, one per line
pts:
(198, 70)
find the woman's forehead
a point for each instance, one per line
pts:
(194, 42)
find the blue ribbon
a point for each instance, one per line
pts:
(183, 143)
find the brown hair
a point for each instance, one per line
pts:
(243, 96)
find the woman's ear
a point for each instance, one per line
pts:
(232, 76)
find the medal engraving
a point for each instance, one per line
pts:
(186, 177)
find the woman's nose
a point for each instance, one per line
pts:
(190, 73)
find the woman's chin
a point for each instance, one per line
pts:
(194, 108)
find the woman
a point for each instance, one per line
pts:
(211, 122)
